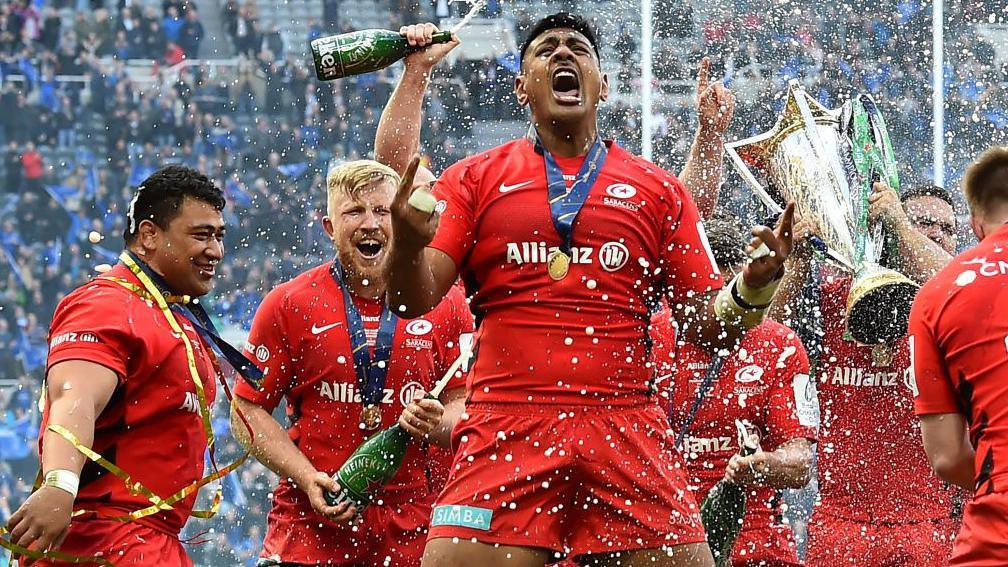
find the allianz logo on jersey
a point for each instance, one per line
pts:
(611, 256)
(73, 338)
(619, 194)
(857, 377)
(349, 393)
(706, 444)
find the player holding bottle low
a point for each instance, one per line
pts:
(763, 382)
(566, 240)
(349, 366)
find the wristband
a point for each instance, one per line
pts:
(63, 480)
(742, 306)
(422, 200)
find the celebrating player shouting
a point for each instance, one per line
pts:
(959, 345)
(764, 382)
(566, 240)
(348, 365)
(131, 377)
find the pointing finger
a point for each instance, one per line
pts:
(786, 222)
(703, 76)
(406, 183)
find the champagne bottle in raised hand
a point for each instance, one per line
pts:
(723, 510)
(355, 53)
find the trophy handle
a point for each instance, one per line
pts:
(749, 178)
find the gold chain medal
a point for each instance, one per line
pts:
(882, 356)
(558, 264)
(371, 416)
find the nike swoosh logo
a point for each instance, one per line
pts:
(505, 188)
(316, 329)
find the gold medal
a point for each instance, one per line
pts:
(881, 356)
(557, 264)
(371, 417)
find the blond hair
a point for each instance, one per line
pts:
(986, 180)
(350, 178)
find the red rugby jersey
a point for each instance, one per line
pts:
(580, 340)
(765, 381)
(872, 466)
(151, 427)
(300, 339)
(959, 345)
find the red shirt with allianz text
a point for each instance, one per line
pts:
(959, 344)
(765, 382)
(872, 467)
(151, 426)
(300, 339)
(580, 340)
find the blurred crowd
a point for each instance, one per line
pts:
(82, 125)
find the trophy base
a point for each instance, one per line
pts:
(878, 307)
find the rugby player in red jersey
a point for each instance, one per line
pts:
(959, 350)
(763, 382)
(132, 380)
(879, 504)
(565, 241)
(308, 336)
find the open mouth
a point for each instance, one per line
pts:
(207, 270)
(369, 248)
(566, 86)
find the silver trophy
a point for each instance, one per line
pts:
(826, 161)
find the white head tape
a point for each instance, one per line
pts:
(131, 211)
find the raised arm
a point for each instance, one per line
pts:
(704, 167)
(398, 137)
(417, 277)
(918, 256)
(716, 320)
(787, 307)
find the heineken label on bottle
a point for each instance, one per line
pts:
(358, 475)
(351, 54)
(328, 64)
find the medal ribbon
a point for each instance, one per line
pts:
(197, 315)
(566, 205)
(371, 370)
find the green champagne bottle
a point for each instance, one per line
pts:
(723, 510)
(338, 56)
(370, 467)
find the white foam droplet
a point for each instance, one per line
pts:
(94, 237)
(589, 330)
(966, 278)
(102, 268)
(592, 284)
